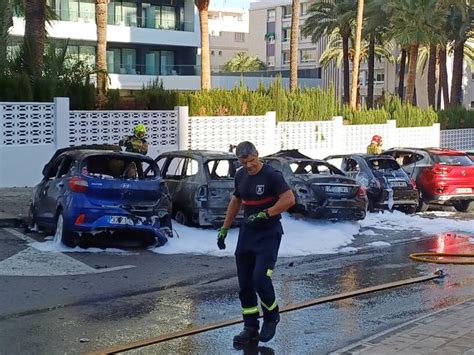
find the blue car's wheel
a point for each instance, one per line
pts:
(62, 234)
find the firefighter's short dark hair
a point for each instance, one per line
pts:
(244, 149)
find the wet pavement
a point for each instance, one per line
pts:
(108, 309)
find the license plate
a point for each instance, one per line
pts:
(336, 189)
(464, 190)
(121, 220)
(398, 184)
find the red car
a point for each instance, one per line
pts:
(443, 176)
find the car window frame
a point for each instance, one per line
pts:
(167, 165)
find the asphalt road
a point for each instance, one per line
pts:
(97, 300)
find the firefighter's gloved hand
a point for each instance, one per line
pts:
(257, 217)
(221, 237)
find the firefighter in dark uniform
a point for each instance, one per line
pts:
(136, 143)
(263, 192)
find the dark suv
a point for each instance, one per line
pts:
(443, 176)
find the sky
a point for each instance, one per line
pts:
(302, 236)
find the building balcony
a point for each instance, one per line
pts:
(84, 29)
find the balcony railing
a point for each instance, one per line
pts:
(128, 21)
(141, 69)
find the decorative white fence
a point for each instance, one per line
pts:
(458, 139)
(31, 132)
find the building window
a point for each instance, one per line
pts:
(83, 10)
(271, 15)
(220, 53)
(307, 55)
(304, 8)
(472, 76)
(380, 77)
(122, 13)
(239, 37)
(159, 17)
(285, 56)
(270, 37)
(271, 61)
(285, 34)
(472, 104)
(212, 52)
(286, 11)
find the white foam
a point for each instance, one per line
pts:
(379, 244)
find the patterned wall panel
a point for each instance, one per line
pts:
(26, 124)
(217, 133)
(458, 139)
(306, 135)
(86, 127)
(418, 137)
(358, 137)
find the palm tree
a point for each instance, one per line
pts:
(355, 68)
(6, 21)
(415, 23)
(203, 6)
(458, 28)
(375, 29)
(101, 56)
(401, 73)
(325, 17)
(35, 36)
(242, 62)
(295, 26)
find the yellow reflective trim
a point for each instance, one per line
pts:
(269, 273)
(251, 310)
(272, 307)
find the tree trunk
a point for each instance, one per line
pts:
(432, 77)
(355, 67)
(371, 70)
(345, 53)
(295, 20)
(456, 82)
(101, 55)
(205, 58)
(412, 73)
(443, 76)
(401, 74)
(35, 36)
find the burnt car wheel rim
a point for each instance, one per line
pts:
(58, 235)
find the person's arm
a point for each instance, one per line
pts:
(285, 201)
(232, 211)
(145, 148)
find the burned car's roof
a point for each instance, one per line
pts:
(205, 154)
(290, 153)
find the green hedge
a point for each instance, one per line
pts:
(456, 117)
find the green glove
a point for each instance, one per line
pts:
(221, 237)
(258, 217)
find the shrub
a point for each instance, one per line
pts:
(456, 117)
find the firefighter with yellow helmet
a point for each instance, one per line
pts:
(136, 143)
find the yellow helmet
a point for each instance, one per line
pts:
(140, 131)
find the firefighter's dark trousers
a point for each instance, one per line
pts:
(256, 255)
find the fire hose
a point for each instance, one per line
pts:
(434, 258)
(292, 307)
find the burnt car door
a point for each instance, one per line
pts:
(172, 172)
(58, 184)
(44, 212)
(410, 161)
(221, 173)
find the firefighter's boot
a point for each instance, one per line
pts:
(247, 336)
(269, 327)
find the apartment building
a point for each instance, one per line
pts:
(228, 35)
(146, 38)
(270, 29)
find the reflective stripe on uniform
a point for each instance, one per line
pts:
(272, 307)
(257, 202)
(269, 273)
(251, 310)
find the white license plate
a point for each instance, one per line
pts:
(336, 189)
(121, 220)
(398, 184)
(464, 190)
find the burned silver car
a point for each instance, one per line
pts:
(321, 189)
(201, 184)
